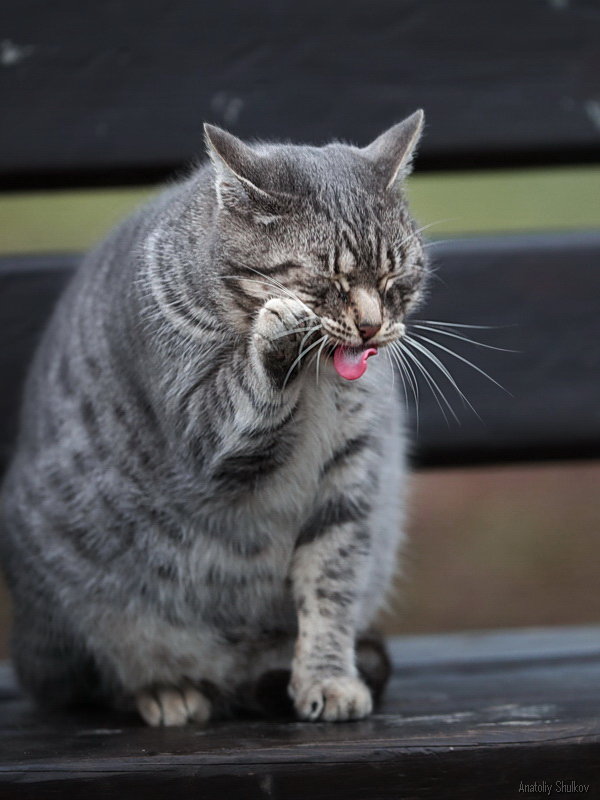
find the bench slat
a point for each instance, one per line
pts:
(542, 292)
(104, 92)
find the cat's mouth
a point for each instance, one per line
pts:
(351, 362)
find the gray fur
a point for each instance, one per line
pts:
(183, 513)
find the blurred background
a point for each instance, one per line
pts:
(493, 546)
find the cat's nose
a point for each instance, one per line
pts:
(367, 330)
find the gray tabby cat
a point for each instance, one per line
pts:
(193, 503)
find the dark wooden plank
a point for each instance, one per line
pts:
(109, 92)
(448, 727)
(541, 291)
(29, 286)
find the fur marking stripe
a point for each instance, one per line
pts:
(335, 511)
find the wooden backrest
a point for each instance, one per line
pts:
(116, 93)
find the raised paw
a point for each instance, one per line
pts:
(284, 325)
(281, 317)
(334, 700)
(172, 705)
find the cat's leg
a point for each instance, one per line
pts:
(51, 664)
(282, 325)
(175, 674)
(262, 390)
(373, 662)
(326, 578)
(269, 691)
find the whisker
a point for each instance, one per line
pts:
(463, 338)
(435, 276)
(406, 370)
(312, 359)
(464, 360)
(299, 358)
(460, 325)
(304, 338)
(424, 228)
(275, 282)
(297, 330)
(437, 242)
(269, 282)
(435, 360)
(319, 351)
(387, 352)
(251, 280)
(401, 373)
(414, 384)
(432, 383)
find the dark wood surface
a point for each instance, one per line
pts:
(117, 91)
(540, 291)
(465, 716)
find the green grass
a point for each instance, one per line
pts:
(457, 203)
(515, 200)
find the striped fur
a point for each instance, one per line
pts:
(191, 505)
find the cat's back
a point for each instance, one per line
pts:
(79, 403)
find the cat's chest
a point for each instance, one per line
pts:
(286, 478)
(327, 417)
(244, 543)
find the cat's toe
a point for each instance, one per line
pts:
(334, 700)
(198, 706)
(172, 705)
(281, 316)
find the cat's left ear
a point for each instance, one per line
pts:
(393, 151)
(240, 171)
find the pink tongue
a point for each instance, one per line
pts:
(351, 362)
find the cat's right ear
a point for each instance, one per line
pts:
(393, 151)
(239, 173)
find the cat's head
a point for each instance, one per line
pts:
(329, 225)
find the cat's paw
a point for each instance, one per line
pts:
(172, 705)
(282, 325)
(333, 700)
(282, 315)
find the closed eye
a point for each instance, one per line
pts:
(387, 281)
(399, 271)
(341, 284)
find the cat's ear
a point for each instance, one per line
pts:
(393, 151)
(239, 173)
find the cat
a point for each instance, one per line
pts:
(193, 503)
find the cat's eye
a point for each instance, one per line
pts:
(342, 292)
(386, 283)
(404, 294)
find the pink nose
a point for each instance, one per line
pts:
(367, 330)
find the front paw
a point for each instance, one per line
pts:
(172, 705)
(333, 699)
(283, 329)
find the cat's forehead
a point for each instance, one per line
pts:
(357, 257)
(346, 217)
(333, 172)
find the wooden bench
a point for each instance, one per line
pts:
(465, 716)
(115, 94)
